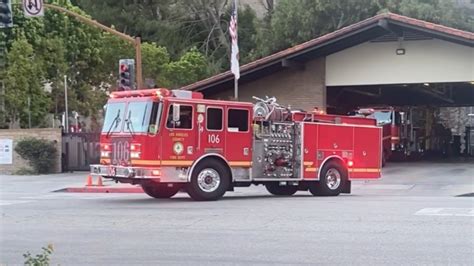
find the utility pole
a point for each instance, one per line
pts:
(135, 41)
(66, 113)
(29, 112)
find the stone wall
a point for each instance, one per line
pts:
(302, 89)
(52, 134)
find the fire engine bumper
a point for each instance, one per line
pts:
(167, 174)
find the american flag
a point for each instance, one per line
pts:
(234, 58)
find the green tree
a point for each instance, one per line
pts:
(180, 26)
(63, 46)
(158, 21)
(296, 21)
(155, 59)
(189, 68)
(23, 82)
(436, 11)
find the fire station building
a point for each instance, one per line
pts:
(389, 60)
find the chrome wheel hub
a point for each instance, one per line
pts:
(333, 178)
(208, 180)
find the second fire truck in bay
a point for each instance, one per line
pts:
(168, 140)
(390, 120)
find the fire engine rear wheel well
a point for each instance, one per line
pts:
(337, 160)
(333, 178)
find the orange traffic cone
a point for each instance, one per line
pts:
(99, 182)
(89, 181)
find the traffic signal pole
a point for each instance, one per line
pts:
(135, 41)
(138, 58)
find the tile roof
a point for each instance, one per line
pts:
(392, 17)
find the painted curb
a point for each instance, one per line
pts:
(101, 190)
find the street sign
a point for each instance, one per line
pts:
(33, 8)
(6, 151)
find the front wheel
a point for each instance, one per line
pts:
(331, 181)
(160, 191)
(209, 181)
(277, 190)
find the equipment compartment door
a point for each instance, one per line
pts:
(367, 152)
(238, 147)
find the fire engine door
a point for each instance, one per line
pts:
(238, 136)
(212, 137)
(179, 136)
(367, 152)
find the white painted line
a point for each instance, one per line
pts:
(383, 186)
(446, 212)
(67, 195)
(13, 202)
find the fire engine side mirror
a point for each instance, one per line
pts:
(176, 112)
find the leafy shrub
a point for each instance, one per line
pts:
(24, 171)
(40, 153)
(40, 259)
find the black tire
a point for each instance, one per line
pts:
(204, 185)
(160, 191)
(323, 186)
(277, 190)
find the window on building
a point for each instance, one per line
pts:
(214, 119)
(238, 120)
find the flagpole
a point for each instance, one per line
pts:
(236, 89)
(236, 80)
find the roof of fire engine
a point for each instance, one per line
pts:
(363, 31)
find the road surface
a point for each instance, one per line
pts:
(413, 216)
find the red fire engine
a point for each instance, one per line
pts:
(401, 139)
(167, 140)
(390, 120)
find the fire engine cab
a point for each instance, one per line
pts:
(168, 140)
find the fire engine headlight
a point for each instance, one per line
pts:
(105, 154)
(135, 155)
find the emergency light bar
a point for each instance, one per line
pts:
(183, 94)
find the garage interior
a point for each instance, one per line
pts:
(427, 78)
(440, 116)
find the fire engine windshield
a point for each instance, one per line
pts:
(132, 117)
(113, 117)
(383, 117)
(137, 118)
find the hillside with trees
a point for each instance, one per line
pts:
(183, 41)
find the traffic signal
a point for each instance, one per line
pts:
(127, 74)
(6, 15)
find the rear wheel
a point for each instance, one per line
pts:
(160, 191)
(209, 181)
(275, 189)
(331, 181)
